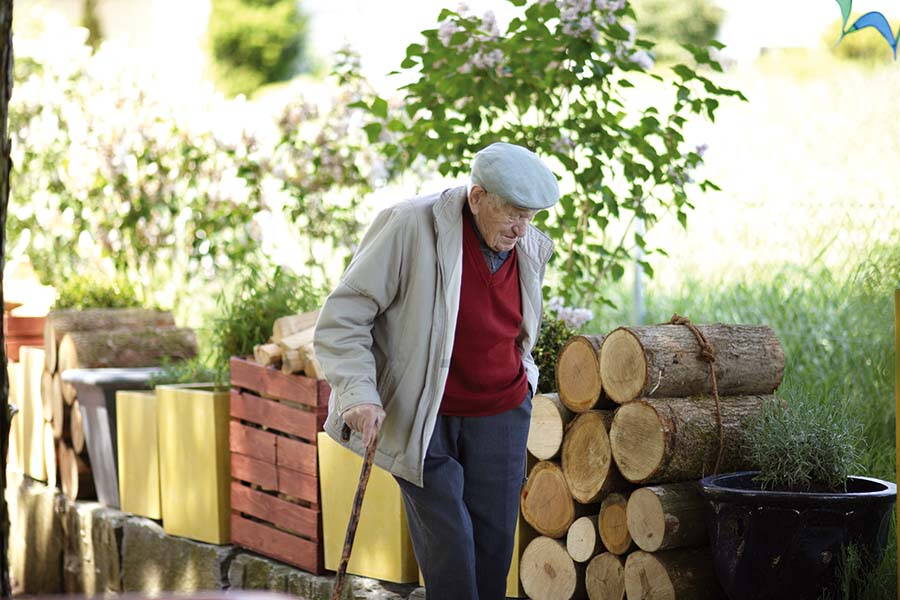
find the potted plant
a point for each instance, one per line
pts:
(783, 531)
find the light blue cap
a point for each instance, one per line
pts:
(516, 174)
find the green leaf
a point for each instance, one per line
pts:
(407, 63)
(380, 107)
(684, 71)
(617, 270)
(414, 50)
(373, 130)
(358, 104)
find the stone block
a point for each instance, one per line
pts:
(36, 537)
(93, 545)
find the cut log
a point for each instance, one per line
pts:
(661, 361)
(686, 574)
(75, 474)
(665, 440)
(291, 324)
(546, 501)
(297, 340)
(549, 418)
(549, 573)
(302, 360)
(50, 455)
(125, 348)
(663, 517)
(58, 407)
(76, 426)
(604, 577)
(578, 372)
(582, 540)
(61, 322)
(267, 354)
(47, 396)
(586, 457)
(613, 524)
(313, 366)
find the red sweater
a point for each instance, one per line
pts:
(486, 373)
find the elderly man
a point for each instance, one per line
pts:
(426, 343)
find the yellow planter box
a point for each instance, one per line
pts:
(138, 449)
(194, 461)
(382, 548)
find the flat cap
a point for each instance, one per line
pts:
(516, 174)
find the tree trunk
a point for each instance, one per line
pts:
(290, 324)
(604, 578)
(578, 373)
(661, 361)
(613, 524)
(125, 348)
(672, 574)
(549, 418)
(546, 501)
(664, 440)
(6, 412)
(549, 573)
(586, 457)
(582, 540)
(61, 322)
(663, 517)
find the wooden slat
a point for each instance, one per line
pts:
(274, 415)
(299, 485)
(297, 455)
(304, 521)
(273, 383)
(324, 391)
(254, 471)
(276, 544)
(252, 442)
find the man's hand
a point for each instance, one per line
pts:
(366, 419)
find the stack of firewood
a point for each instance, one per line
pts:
(620, 449)
(291, 346)
(98, 338)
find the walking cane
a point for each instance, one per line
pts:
(354, 514)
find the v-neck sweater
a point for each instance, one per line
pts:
(486, 375)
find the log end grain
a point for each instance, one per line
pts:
(578, 373)
(605, 577)
(582, 539)
(638, 441)
(613, 524)
(546, 502)
(646, 578)
(586, 456)
(671, 575)
(547, 571)
(646, 519)
(667, 516)
(623, 366)
(548, 421)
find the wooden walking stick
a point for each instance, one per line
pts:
(354, 513)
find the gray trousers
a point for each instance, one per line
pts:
(463, 520)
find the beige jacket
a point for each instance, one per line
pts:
(385, 334)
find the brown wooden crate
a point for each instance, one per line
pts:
(268, 381)
(252, 442)
(275, 415)
(304, 521)
(296, 455)
(277, 544)
(324, 392)
(254, 471)
(299, 485)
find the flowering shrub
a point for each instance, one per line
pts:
(556, 82)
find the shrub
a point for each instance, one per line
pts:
(93, 291)
(551, 338)
(672, 24)
(193, 370)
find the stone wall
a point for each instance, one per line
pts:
(59, 546)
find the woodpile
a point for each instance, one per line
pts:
(97, 338)
(620, 448)
(291, 346)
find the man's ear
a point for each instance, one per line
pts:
(476, 198)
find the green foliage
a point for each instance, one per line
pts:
(865, 46)
(860, 579)
(556, 83)
(254, 42)
(245, 315)
(193, 370)
(553, 335)
(672, 24)
(88, 290)
(806, 442)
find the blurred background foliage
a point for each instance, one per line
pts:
(671, 24)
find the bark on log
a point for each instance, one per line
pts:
(549, 418)
(75, 474)
(125, 348)
(586, 457)
(661, 361)
(604, 577)
(546, 502)
(76, 426)
(267, 354)
(582, 539)
(664, 517)
(686, 574)
(549, 573)
(61, 322)
(578, 373)
(613, 524)
(291, 324)
(664, 440)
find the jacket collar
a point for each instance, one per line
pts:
(448, 217)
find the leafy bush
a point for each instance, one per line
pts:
(189, 371)
(672, 24)
(865, 45)
(551, 338)
(254, 42)
(555, 82)
(92, 291)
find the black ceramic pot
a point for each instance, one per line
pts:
(770, 545)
